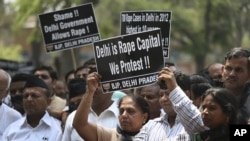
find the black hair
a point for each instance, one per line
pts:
(227, 102)
(52, 72)
(89, 62)
(68, 73)
(140, 101)
(197, 78)
(168, 64)
(199, 89)
(77, 86)
(20, 77)
(183, 80)
(80, 68)
(239, 52)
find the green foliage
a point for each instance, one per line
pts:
(197, 26)
(10, 52)
(108, 13)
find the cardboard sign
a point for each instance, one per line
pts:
(69, 28)
(134, 22)
(129, 61)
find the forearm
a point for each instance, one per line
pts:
(188, 113)
(81, 116)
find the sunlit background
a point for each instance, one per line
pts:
(202, 31)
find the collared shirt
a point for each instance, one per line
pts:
(48, 129)
(7, 116)
(108, 118)
(189, 114)
(159, 129)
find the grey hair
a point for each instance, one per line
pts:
(9, 77)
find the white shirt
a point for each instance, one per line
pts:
(48, 129)
(7, 116)
(108, 118)
(159, 129)
(7, 101)
(189, 114)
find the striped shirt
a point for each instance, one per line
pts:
(160, 130)
(189, 114)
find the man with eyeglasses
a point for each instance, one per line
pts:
(8, 115)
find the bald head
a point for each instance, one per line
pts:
(215, 71)
(4, 83)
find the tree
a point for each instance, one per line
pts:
(200, 28)
(204, 27)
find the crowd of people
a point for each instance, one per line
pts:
(178, 107)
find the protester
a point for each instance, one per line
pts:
(236, 76)
(16, 91)
(90, 63)
(82, 72)
(7, 99)
(151, 94)
(69, 76)
(77, 87)
(215, 71)
(134, 112)
(8, 114)
(168, 127)
(197, 90)
(49, 76)
(218, 110)
(199, 84)
(37, 124)
(104, 111)
(61, 89)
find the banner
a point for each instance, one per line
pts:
(134, 22)
(69, 28)
(129, 61)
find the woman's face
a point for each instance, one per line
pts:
(212, 114)
(131, 117)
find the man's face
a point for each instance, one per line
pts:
(235, 73)
(215, 71)
(151, 95)
(60, 89)
(166, 103)
(44, 75)
(35, 101)
(83, 73)
(16, 93)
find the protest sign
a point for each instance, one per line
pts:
(129, 61)
(134, 22)
(69, 28)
